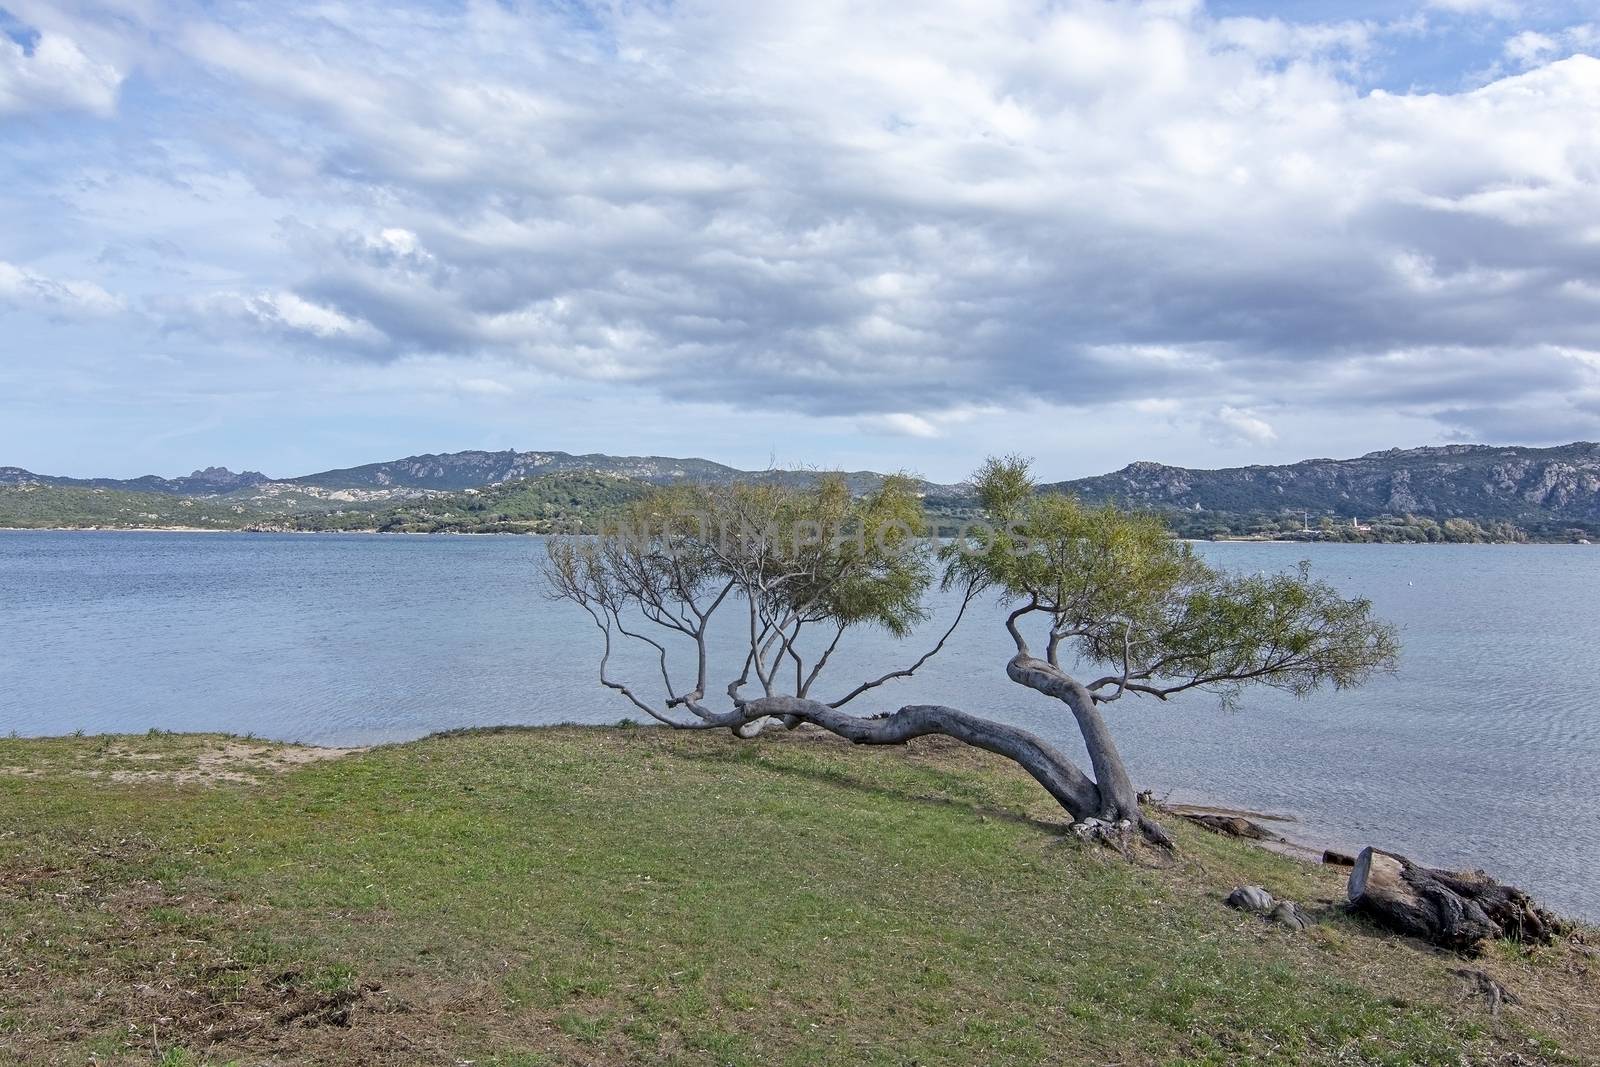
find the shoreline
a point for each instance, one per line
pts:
(536, 533)
(238, 530)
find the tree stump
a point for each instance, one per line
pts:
(1456, 910)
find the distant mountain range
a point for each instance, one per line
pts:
(1472, 481)
(211, 481)
(449, 472)
(452, 471)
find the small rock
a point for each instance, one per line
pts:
(1288, 913)
(1250, 898)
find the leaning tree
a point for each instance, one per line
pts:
(1116, 593)
(755, 587)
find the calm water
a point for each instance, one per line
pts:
(1484, 750)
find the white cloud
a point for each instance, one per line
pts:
(900, 424)
(484, 387)
(54, 74)
(281, 313)
(24, 288)
(1231, 425)
(851, 214)
(1504, 9)
(1529, 48)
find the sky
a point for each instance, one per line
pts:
(290, 237)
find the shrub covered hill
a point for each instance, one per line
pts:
(1449, 493)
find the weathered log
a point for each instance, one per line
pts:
(1230, 825)
(1457, 910)
(1336, 858)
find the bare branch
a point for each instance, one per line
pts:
(906, 672)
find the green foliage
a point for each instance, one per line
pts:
(533, 505)
(806, 554)
(1378, 529)
(55, 507)
(1004, 486)
(548, 504)
(1127, 595)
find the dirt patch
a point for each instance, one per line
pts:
(242, 761)
(205, 761)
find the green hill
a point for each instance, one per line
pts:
(52, 506)
(530, 505)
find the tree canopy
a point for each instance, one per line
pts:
(1118, 591)
(796, 570)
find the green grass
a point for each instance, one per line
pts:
(604, 896)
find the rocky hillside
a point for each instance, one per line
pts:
(1472, 481)
(444, 472)
(464, 470)
(1481, 482)
(212, 481)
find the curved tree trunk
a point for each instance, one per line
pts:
(1118, 798)
(1070, 787)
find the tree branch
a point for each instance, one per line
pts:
(972, 590)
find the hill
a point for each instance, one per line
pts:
(208, 481)
(442, 472)
(529, 505)
(45, 507)
(1451, 492)
(604, 895)
(533, 505)
(1481, 482)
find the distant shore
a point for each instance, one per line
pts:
(538, 533)
(244, 530)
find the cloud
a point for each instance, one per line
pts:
(1531, 48)
(51, 73)
(839, 211)
(900, 423)
(484, 387)
(23, 288)
(1231, 425)
(1504, 9)
(280, 314)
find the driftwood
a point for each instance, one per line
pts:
(1230, 825)
(1457, 910)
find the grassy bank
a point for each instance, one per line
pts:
(610, 896)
